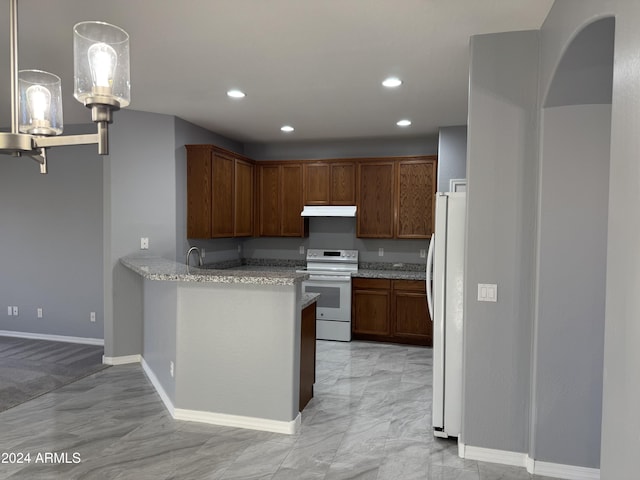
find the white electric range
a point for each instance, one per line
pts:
(330, 276)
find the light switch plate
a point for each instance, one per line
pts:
(487, 292)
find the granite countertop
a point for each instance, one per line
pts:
(156, 268)
(391, 274)
(308, 299)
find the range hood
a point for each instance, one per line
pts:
(328, 211)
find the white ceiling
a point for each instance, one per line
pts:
(314, 64)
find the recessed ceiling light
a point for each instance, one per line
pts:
(403, 123)
(287, 128)
(392, 82)
(236, 94)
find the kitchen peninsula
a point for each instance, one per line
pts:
(223, 346)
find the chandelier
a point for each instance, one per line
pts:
(101, 83)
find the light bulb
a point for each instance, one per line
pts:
(102, 61)
(39, 102)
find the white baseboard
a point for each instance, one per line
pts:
(222, 419)
(158, 386)
(503, 457)
(569, 472)
(54, 338)
(556, 470)
(122, 360)
(239, 421)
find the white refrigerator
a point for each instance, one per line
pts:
(445, 288)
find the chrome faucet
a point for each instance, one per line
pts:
(197, 250)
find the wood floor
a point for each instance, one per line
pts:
(370, 419)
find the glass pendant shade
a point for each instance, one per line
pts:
(40, 111)
(101, 61)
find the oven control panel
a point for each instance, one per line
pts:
(332, 256)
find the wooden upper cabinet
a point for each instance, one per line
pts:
(375, 216)
(330, 183)
(291, 187)
(317, 189)
(269, 200)
(244, 198)
(280, 200)
(220, 195)
(223, 197)
(198, 192)
(415, 190)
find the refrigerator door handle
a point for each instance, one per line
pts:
(430, 276)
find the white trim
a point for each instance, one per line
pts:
(158, 386)
(569, 472)
(557, 470)
(503, 457)
(122, 360)
(252, 423)
(531, 465)
(53, 338)
(239, 421)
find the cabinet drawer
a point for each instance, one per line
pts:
(410, 285)
(375, 283)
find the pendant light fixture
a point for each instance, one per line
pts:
(101, 83)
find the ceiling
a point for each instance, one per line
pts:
(314, 64)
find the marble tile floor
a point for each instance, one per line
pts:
(370, 419)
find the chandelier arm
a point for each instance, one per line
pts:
(13, 14)
(67, 140)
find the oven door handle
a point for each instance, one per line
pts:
(330, 278)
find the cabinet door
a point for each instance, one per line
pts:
(375, 218)
(222, 201)
(416, 187)
(291, 203)
(316, 183)
(269, 200)
(307, 355)
(410, 319)
(198, 192)
(343, 184)
(243, 199)
(370, 307)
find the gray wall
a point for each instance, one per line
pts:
(452, 155)
(140, 201)
(51, 237)
(159, 344)
(337, 233)
(621, 389)
(370, 147)
(501, 217)
(574, 192)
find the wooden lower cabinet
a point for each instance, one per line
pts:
(390, 311)
(307, 355)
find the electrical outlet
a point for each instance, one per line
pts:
(39, 312)
(381, 252)
(171, 369)
(10, 311)
(423, 253)
(92, 316)
(301, 250)
(144, 243)
(202, 253)
(15, 311)
(239, 248)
